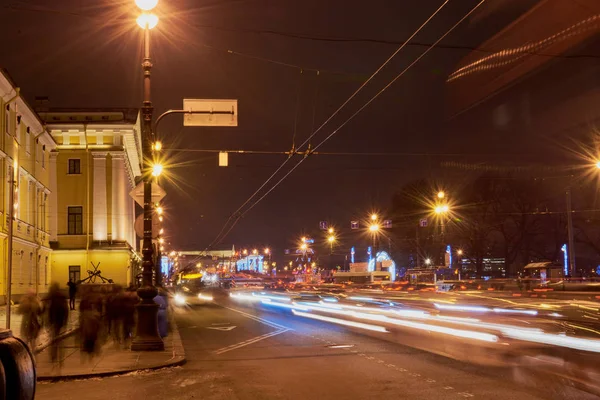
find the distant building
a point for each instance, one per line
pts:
(94, 168)
(24, 148)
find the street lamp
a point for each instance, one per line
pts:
(157, 169)
(331, 239)
(267, 251)
(373, 217)
(598, 165)
(146, 5)
(427, 261)
(441, 195)
(146, 335)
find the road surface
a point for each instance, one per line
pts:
(237, 352)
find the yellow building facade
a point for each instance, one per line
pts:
(94, 168)
(25, 146)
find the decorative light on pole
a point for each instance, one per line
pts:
(146, 335)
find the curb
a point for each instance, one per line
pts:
(177, 360)
(109, 373)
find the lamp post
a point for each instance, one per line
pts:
(374, 228)
(146, 335)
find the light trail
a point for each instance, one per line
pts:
(338, 321)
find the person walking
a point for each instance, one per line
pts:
(161, 300)
(89, 323)
(58, 313)
(30, 308)
(72, 293)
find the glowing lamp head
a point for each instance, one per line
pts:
(441, 195)
(146, 5)
(159, 210)
(254, 251)
(147, 21)
(459, 252)
(441, 209)
(267, 250)
(157, 146)
(331, 239)
(373, 217)
(157, 169)
(330, 230)
(598, 165)
(374, 228)
(428, 261)
(303, 246)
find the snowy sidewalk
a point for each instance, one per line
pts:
(44, 337)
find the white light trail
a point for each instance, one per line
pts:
(338, 321)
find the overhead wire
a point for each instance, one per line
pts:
(358, 111)
(352, 96)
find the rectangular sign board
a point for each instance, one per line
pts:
(210, 112)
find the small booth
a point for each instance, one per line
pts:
(544, 271)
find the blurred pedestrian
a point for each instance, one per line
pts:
(58, 313)
(30, 309)
(89, 324)
(72, 293)
(161, 300)
(111, 313)
(129, 300)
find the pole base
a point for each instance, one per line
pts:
(146, 335)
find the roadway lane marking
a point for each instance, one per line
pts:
(466, 394)
(222, 328)
(250, 341)
(261, 320)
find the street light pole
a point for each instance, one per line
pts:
(146, 335)
(571, 247)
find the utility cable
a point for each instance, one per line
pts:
(332, 116)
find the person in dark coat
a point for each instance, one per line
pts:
(30, 308)
(58, 314)
(89, 324)
(72, 292)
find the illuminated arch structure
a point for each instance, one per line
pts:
(383, 256)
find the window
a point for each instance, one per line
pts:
(28, 141)
(75, 273)
(75, 220)
(44, 156)
(74, 166)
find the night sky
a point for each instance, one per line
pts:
(83, 53)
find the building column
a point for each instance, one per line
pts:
(52, 211)
(120, 210)
(100, 211)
